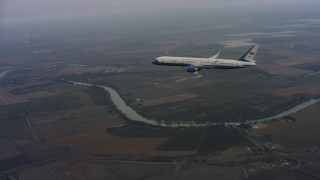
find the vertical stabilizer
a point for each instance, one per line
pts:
(250, 54)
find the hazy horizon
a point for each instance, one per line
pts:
(14, 12)
(131, 18)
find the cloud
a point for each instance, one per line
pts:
(300, 23)
(236, 43)
(269, 34)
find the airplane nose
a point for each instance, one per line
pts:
(155, 61)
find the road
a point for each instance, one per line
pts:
(26, 115)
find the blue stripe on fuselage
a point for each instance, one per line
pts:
(227, 67)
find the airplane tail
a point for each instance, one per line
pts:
(250, 54)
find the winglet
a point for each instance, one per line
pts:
(216, 56)
(250, 54)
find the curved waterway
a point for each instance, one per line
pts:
(2, 74)
(134, 116)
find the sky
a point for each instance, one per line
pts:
(13, 12)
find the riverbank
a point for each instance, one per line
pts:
(131, 114)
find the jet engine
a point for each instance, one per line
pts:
(192, 68)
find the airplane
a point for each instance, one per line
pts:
(196, 64)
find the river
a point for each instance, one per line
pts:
(3, 73)
(134, 116)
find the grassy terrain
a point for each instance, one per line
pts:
(98, 95)
(12, 113)
(218, 139)
(299, 134)
(187, 139)
(12, 122)
(219, 95)
(105, 143)
(32, 88)
(56, 103)
(78, 117)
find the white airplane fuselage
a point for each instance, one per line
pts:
(207, 63)
(196, 64)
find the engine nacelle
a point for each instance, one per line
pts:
(192, 69)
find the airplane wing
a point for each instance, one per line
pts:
(216, 56)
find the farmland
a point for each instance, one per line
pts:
(299, 134)
(56, 129)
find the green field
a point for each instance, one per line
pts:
(209, 139)
(287, 74)
(13, 122)
(57, 103)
